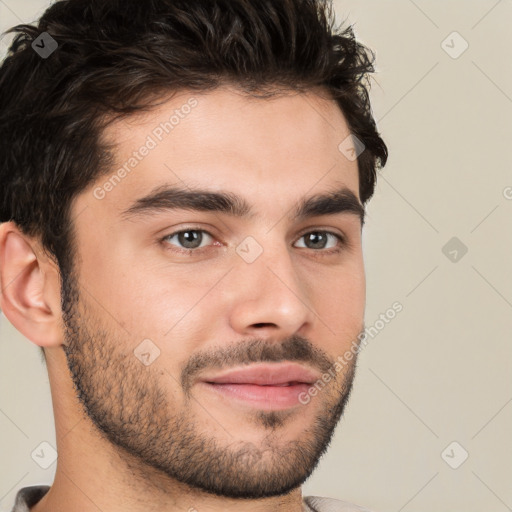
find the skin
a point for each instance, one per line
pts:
(141, 432)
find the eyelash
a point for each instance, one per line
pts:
(320, 252)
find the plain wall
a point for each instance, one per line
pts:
(440, 371)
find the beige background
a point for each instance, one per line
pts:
(440, 371)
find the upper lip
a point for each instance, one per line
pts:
(265, 375)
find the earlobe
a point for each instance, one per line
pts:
(30, 294)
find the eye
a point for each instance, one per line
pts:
(189, 239)
(192, 240)
(319, 240)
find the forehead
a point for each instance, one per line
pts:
(269, 150)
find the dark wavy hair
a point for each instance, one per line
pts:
(117, 57)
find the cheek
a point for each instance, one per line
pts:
(159, 304)
(173, 306)
(140, 302)
(340, 301)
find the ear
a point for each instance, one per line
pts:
(30, 287)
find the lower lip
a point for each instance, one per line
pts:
(263, 397)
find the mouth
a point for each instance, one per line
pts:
(264, 386)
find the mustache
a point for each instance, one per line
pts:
(296, 348)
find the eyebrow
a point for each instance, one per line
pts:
(166, 197)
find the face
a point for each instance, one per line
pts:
(213, 254)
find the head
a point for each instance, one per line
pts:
(228, 120)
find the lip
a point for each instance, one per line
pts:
(265, 375)
(265, 386)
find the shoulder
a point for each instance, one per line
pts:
(27, 497)
(320, 504)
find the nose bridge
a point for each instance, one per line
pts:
(267, 288)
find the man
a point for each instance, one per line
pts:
(183, 191)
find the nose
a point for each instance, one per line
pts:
(268, 296)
